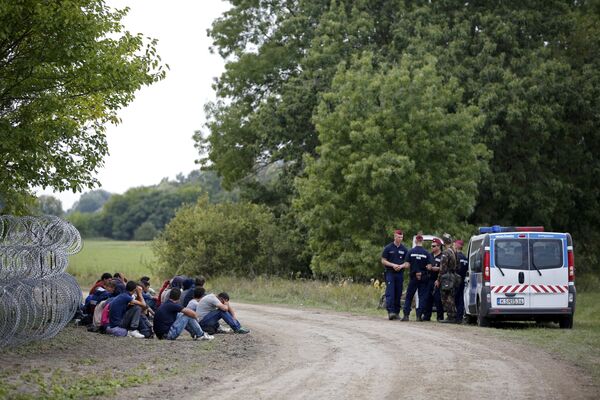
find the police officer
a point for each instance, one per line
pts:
(433, 291)
(448, 264)
(418, 260)
(463, 266)
(392, 259)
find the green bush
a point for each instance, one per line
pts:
(230, 238)
(145, 231)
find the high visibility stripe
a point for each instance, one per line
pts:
(552, 289)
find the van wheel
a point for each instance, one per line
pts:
(482, 321)
(566, 322)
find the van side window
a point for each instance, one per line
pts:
(511, 254)
(547, 253)
(475, 258)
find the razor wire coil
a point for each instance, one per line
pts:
(37, 297)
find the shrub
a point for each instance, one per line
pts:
(230, 238)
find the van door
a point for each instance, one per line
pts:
(475, 252)
(549, 270)
(509, 271)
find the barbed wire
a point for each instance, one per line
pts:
(37, 297)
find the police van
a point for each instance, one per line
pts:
(520, 273)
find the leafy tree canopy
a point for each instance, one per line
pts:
(396, 151)
(530, 69)
(65, 69)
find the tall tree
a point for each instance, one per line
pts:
(396, 151)
(65, 69)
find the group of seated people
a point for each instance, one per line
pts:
(128, 308)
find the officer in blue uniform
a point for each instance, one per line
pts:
(434, 293)
(392, 259)
(418, 259)
(463, 266)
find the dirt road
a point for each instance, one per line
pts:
(321, 355)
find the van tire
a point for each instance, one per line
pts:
(482, 321)
(566, 322)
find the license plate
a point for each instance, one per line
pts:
(510, 301)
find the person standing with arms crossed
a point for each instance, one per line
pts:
(392, 258)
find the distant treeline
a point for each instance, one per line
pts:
(140, 213)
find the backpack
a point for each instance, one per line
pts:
(450, 280)
(105, 319)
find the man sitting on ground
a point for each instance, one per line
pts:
(171, 319)
(211, 309)
(104, 279)
(127, 320)
(101, 293)
(188, 295)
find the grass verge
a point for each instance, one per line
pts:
(336, 296)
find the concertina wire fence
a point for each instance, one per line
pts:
(37, 297)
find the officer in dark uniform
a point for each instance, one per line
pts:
(448, 264)
(434, 292)
(392, 259)
(463, 266)
(418, 259)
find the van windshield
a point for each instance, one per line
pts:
(511, 254)
(547, 253)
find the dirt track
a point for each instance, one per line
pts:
(321, 355)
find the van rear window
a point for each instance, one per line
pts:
(511, 254)
(547, 253)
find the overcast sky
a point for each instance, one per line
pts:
(154, 139)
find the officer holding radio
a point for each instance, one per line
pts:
(392, 258)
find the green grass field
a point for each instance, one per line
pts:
(97, 256)
(580, 346)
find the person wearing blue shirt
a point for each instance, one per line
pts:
(434, 295)
(418, 259)
(123, 317)
(463, 266)
(392, 258)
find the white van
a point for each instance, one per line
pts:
(520, 273)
